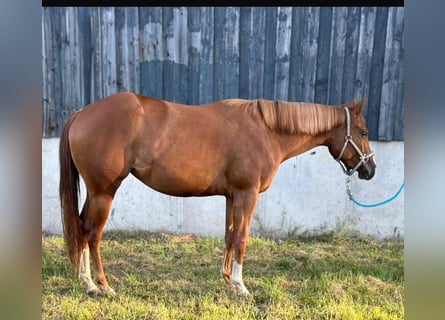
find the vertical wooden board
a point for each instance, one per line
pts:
(56, 111)
(256, 52)
(169, 55)
(296, 58)
(96, 76)
(71, 68)
(218, 63)
(391, 71)
(175, 55)
(78, 61)
(151, 51)
(337, 55)
(364, 55)
(127, 45)
(194, 49)
(231, 53)
(323, 52)
(84, 15)
(181, 36)
(122, 76)
(281, 81)
(351, 53)
(269, 52)
(150, 33)
(399, 113)
(97, 89)
(48, 69)
(375, 83)
(133, 48)
(245, 38)
(310, 47)
(206, 56)
(108, 49)
(44, 74)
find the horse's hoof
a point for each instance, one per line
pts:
(240, 287)
(109, 292)
(94, 292)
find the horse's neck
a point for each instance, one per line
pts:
(295, 144)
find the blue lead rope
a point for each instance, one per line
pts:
(349, 192)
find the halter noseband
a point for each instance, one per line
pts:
(348, 139)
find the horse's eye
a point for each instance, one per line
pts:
(364, 133)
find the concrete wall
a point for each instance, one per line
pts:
(307, 196)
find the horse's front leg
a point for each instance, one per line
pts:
(226, 273)
(243, 205)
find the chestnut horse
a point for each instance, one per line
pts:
(231, 148)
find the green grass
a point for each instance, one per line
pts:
(171, 277)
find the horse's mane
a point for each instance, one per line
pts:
(299, 117)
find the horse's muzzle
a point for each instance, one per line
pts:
(366, 171)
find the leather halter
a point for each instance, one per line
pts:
(348, 139)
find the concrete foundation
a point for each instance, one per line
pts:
(307, 196)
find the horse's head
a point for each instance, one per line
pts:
(349, 144)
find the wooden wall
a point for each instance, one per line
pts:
(195, 55)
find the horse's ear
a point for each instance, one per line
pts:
(359, 106)
(352, 103)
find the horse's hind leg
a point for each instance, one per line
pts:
(94, 216)
(84, 266)
(85, 271)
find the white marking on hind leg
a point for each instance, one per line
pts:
(85, 272)
(237, 278)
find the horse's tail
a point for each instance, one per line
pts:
(68, 193)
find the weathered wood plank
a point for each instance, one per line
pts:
(245, 36)
(270, 52)
(296, 58)
(309, 47)
(231, 53)
(151, 51)
(47, 80)
(84, 14)
(398, 133)
(194, 51)
(174, 25)
(323, 56)
(351, 53)
(256, 63)
(375, 83)
(71, 68)
(206, 57)
(337, 55)
(281, 81)
(364, 55)
(127, 53)
(108, 52)
(391, 72)
(104, 53)
(218, 63)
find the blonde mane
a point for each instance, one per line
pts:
(299, 117)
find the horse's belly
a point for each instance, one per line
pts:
(184, 182)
